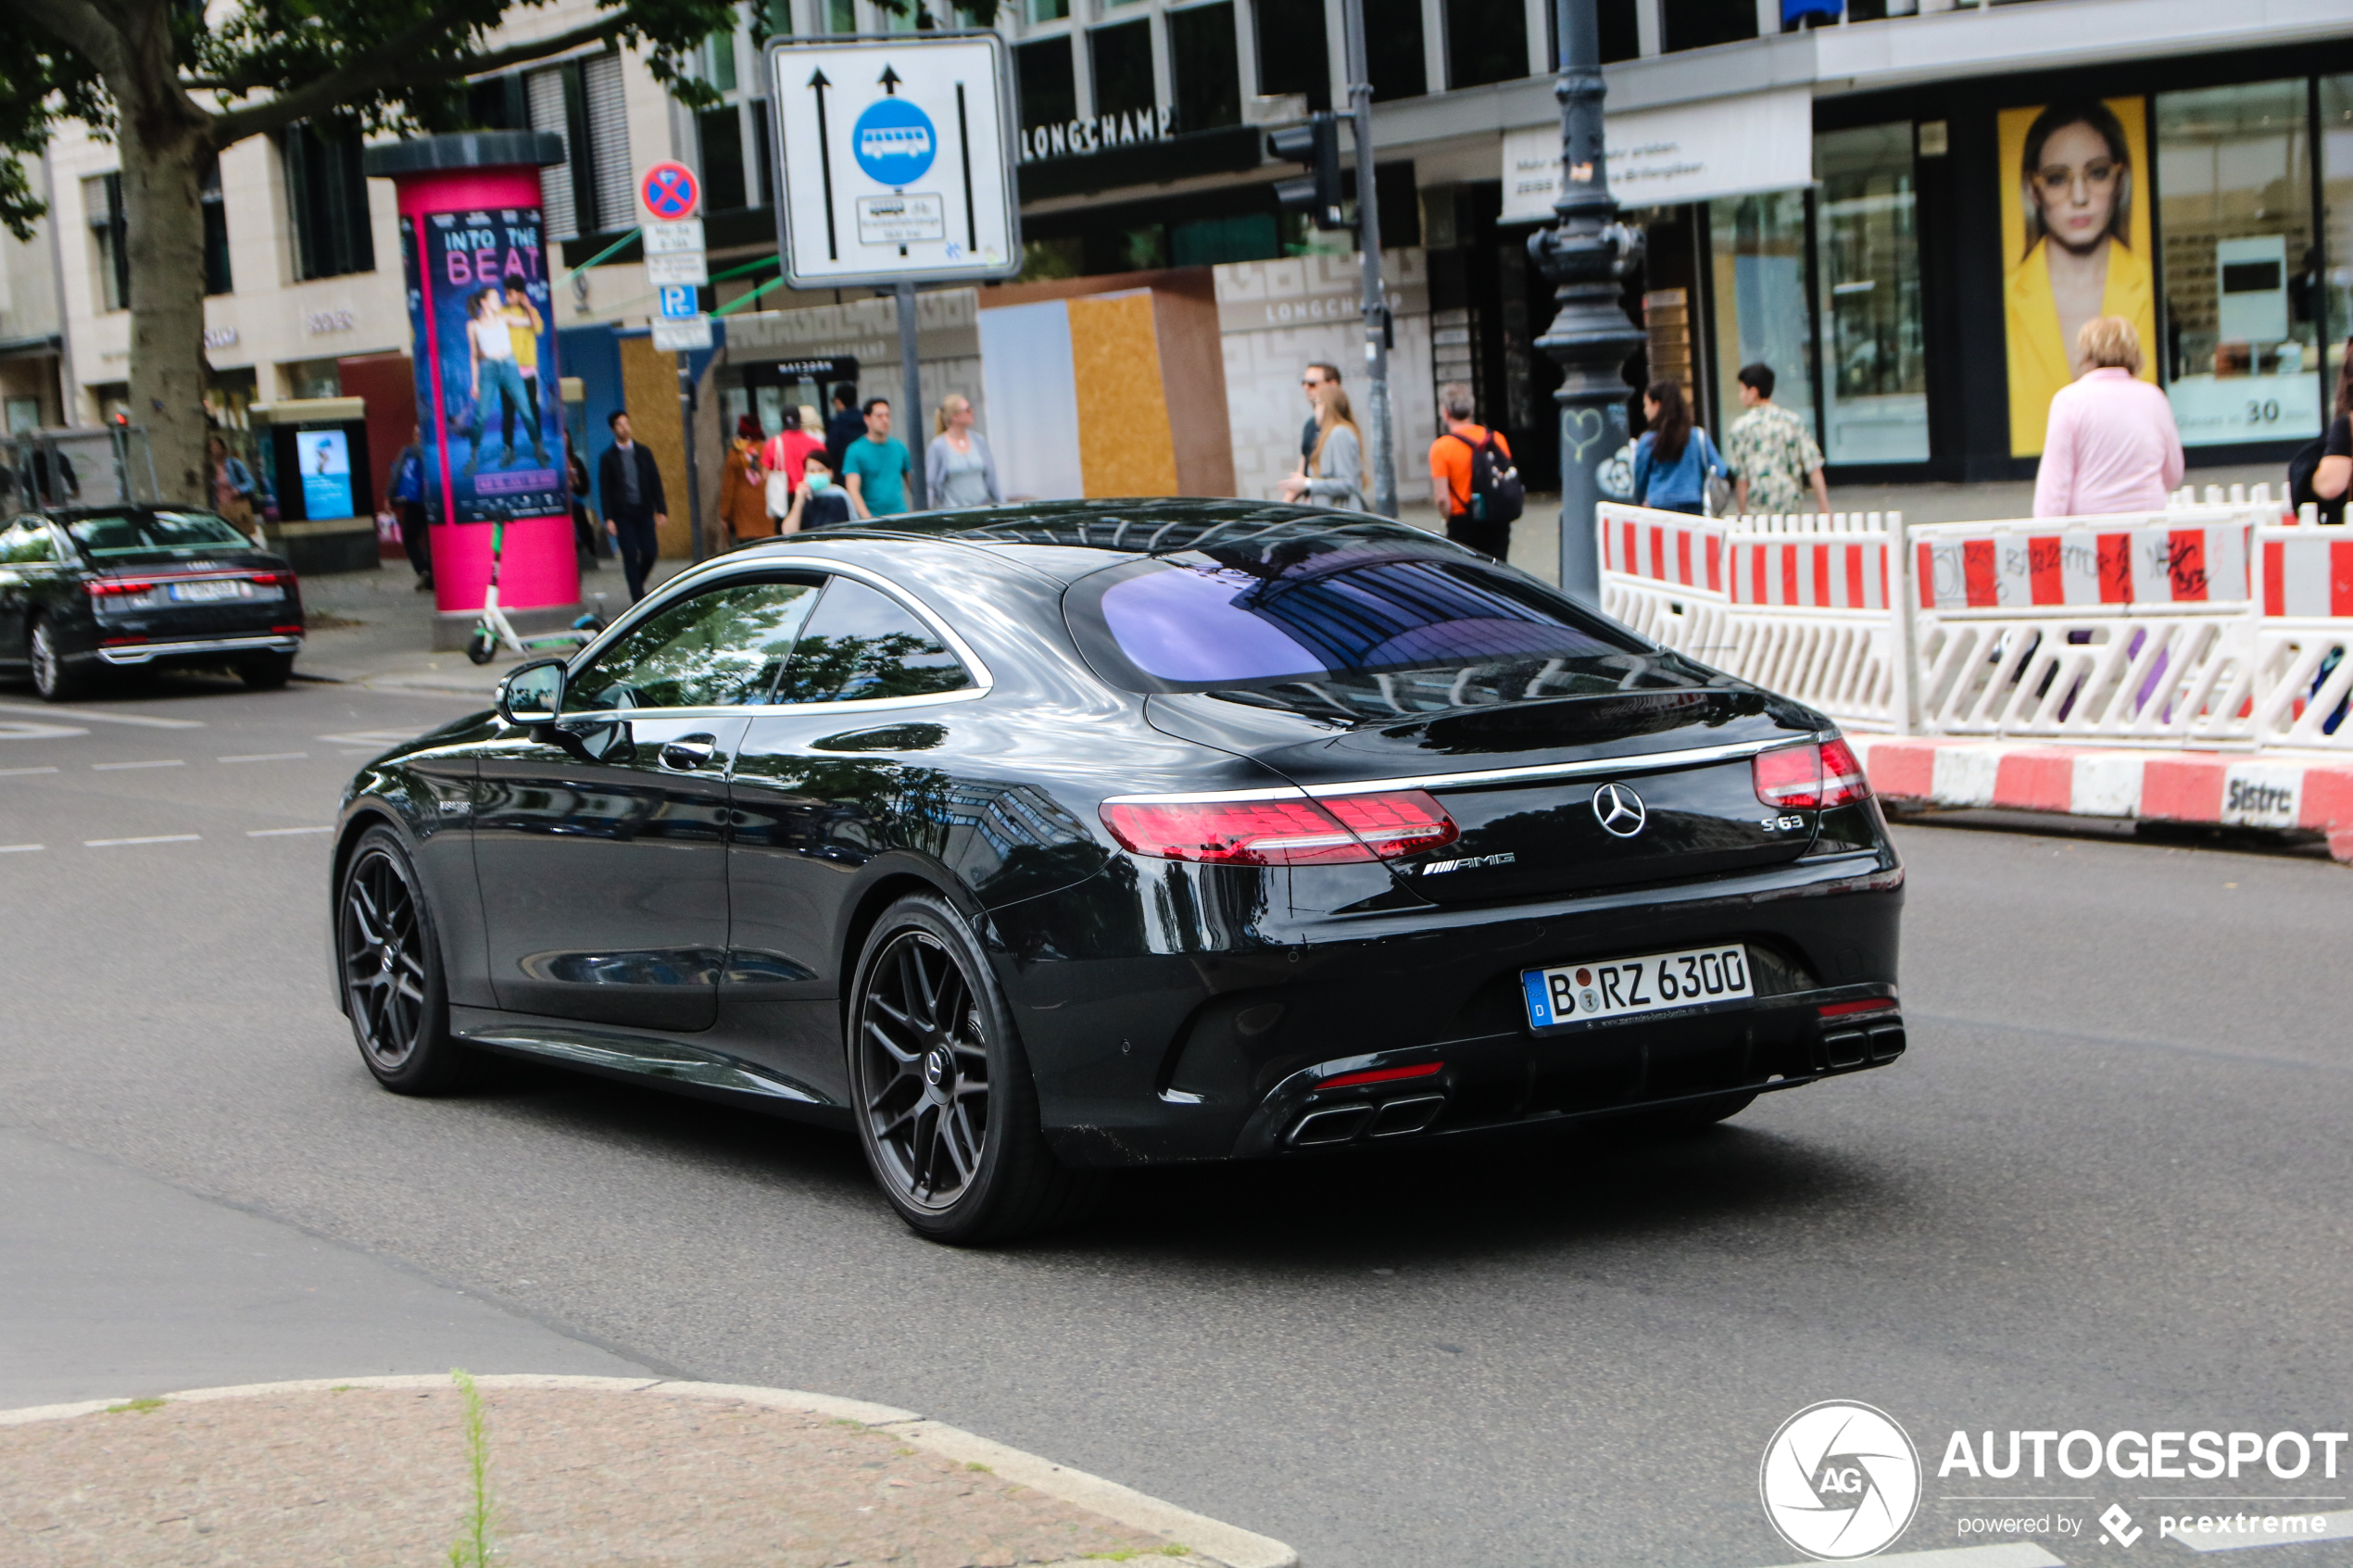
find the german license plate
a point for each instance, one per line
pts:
(1607, 989)
(204, 593)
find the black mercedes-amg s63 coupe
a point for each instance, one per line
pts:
(1042, 839)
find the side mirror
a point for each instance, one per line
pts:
(533, 694)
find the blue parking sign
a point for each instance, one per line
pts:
(678, 301)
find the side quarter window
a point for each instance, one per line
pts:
(861, 645)
(724, 648)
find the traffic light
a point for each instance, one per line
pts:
(1316, 193)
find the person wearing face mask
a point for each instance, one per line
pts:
(818, 502)
(2075, 184)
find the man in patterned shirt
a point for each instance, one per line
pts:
(1772, 455)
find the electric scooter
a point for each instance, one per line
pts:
(494, 631)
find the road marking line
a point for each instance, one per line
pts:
(20, 729)
(266, 756)
(372, 737)
(21, 772)
(120, 767)
(2009, 1554)
(2338, 1527)
(20, 849)
(139, 718)
(159, 838)
(283, 832)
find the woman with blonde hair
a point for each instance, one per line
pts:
(1335, 475)
(2111, 445)
(958, 466)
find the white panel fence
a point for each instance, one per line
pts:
(2222, 623)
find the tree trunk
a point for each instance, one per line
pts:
(163, 150)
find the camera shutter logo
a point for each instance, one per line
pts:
(1619, 810)
(1840, 1481)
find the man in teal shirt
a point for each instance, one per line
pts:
(876, 468)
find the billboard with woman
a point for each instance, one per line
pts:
(2075, 244)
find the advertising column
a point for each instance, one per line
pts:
(483, 330)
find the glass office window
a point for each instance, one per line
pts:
(1049, 88)
(1756, 248)
(1201, 58)
(1049, 10)
(1121, 57)
(1393, 49)
(2336, 205)
(1696, 24)
(2242, 332)
(218, 278)
(1292, 55)
(1874, 369)
(1486, 41)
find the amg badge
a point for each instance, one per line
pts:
(1465, 864)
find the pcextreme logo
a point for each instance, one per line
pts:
(1840, 1480)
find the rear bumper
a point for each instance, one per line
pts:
(199, 647)
(1217, 1056)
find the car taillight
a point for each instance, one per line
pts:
(1282, 833)
(269, 579)
(111, 587)
(1805, 778)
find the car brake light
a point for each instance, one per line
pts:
(110, 587)
(1382, 1075)
(1804, 778)
(1282, 833)
(1842, 1009)
(268, 579)
(1844, 782)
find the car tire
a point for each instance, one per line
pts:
(942, 1096)
(388, 963)
(53, 678)
(266, 671)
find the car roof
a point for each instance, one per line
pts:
(1072, 539)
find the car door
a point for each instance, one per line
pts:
(28, 566)
(600, 842)
(833, 774)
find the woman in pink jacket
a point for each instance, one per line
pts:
(2111, 446)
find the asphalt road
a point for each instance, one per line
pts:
(2107, 1190)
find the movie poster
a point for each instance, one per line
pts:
(484, 326)
(2075, 244)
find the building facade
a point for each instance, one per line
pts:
(1870, 203)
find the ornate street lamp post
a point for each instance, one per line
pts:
(1587, 255)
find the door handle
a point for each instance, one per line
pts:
(688, 752)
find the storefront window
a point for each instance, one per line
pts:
(1757, 255)
(2241, 278)
(1874, 370)
(2336, 199)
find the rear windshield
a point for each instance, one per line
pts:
(141, 533)
(1220, 619)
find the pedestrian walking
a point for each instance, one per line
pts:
(1455, 461)
(846, 425)
(817, 501)
(2323, 471)
(1312, 382)
(1674, 460)
(780, 462)
(584, 527)
(1336, 465)
(960, 469)
(635, 511)
(876, 468)
(1772, 455)
(405, 488)
(743, 493)
(233, 486)
(2111, 445)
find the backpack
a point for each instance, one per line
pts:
(1496, 494)
(2300, 470)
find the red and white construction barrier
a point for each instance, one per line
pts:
(2144, 786)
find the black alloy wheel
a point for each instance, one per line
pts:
(391, 972)
(268, 671)
(945, 1107)
(52, 677)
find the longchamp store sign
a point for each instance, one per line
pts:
(1661, 158)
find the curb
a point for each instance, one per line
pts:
(2144, 786)
(1209, 1539)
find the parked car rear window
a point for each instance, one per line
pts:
(1224, 619)
(861, 645)
(141, 533)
